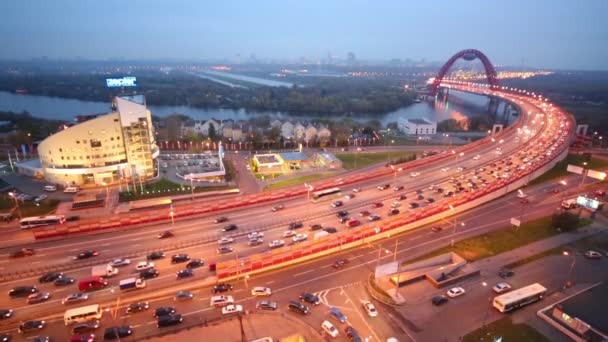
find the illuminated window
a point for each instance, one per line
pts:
(95, 143)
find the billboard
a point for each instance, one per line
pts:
(121, 82)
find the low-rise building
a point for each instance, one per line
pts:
(417, 126)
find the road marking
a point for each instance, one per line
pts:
(238, 290)
(326, 266)
(297, 274)
(416, 237)
(361, 316)
(106, 244)
(269, 282)
(35, 262)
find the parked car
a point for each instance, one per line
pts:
(337, 314)
(456, 292)
(592, 255)
(370, 309)
(298, 307)
(266, 305)
(310, 298)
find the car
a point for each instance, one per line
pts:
(401, 197)
(195, 263)
(120, 262)
(316, 226)
(288, 233)
(224, 249)
(86, 254)
(219, 288)
(37, 339)
(230, 227)
(310, 298)
(340, 263)
(75, 298)
(261, 291)
(72, 218)
(184, 273)
(23, 252)
(445, 169)
(231, 308)
(30, 326)
(383, 187)
(298, 307)
(178, 258)
(342, 213)
(144, 265)
(373, 218)
(278, 207)
(356, 189)
(299, 237)
(40, 198)
(344, 219)
(295, 225)
(50, 277)
(255, 235)
(430, 200)
(165, 234)
(149, 273)
(337, 204)
(82, 338)
(137, 307)
(377, 205)
(455, 292)
(414, 174)
(255, 242)
(439, 300)
(22, 291)
(414, 205)
(85, 327)
(592, 255)
(352, 334)
(330, 230)
(38, 297)
(335, 313)
(183, 295)
(349, 196)
(330, 329)
(221, 219)
(476, 157)
(164, 311)
(169, 320)
(398, 188)
(364, 213)
(6, 313)
(266, 305)
(393, 211)
(155, 255)
(395, 204)
(225, 240)
(600, 193)
(436, 229)
(501, 287)
(370, 309)
(505, 273)
(50, 188)
(420, 197)
(117, 332)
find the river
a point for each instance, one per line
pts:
(458, 106)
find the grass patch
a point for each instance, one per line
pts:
(28, 208)
(559, 170)
(508, 330)
(356, 160)
(264, 176)
(502, 240)
(163, 188)
(298, 180)
(521, 262)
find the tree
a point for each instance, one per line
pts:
(566, 221)
(212, 132)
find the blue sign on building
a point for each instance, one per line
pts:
(121, 82)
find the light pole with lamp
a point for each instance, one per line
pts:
(172, 213)
(14, 197)
(388, 149)
(485, 317)
(191, 186)
(569, 279)
(454, 229)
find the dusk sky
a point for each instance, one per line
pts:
(562, 34)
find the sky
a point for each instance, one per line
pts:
(553, 34)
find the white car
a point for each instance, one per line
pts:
(501, 287)
(120, 262)
(414, 174)
(456, 292)
(144, 265)
(460, 169)
(370, 309)
(255, 235)
(40, 198)
(225, 240)
(476, 157)
(276, 243)
(231, 308)
(299, 237)
(357, 190)
(289, 233)
(261, 291)
(445, 169)
(330, 329)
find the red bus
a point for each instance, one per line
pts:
(92, 283)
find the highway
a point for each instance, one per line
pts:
(204, 232)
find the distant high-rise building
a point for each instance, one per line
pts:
(351, 59)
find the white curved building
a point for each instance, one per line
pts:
(112, 147)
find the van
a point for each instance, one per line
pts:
(50, 188)
(71, 189)
(220, 301)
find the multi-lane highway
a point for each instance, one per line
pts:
(473, 169)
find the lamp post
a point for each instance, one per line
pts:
(569, 279)
(172, 213)
(485, 317)
(454, 229)
(107, 191)
(191, 186)
(14, 197)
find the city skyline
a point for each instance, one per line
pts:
(569, 36)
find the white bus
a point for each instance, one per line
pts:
(520, 297)
(38, 221)
(83, 314)
(324, 194)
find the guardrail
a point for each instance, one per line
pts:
(285, 256)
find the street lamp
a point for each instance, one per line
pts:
(107, 191)
(309, 188)
(569, 279)
(171, 213)
(485, 317)
(14, 197)
(462, 224)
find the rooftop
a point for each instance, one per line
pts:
(293, 156)
(590, 307)
(419, 121)
(328, 156)
(139, 99)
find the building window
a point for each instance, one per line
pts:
(60, 150)
(117, 138)
(90, 132)
(61, 157)
(78, 141)
(84, 141)
(112, 138)
(95, 143)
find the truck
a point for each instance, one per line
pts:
(104, 271)
(92, 283)
(569, 204)
(132, 284)
(320, 235)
